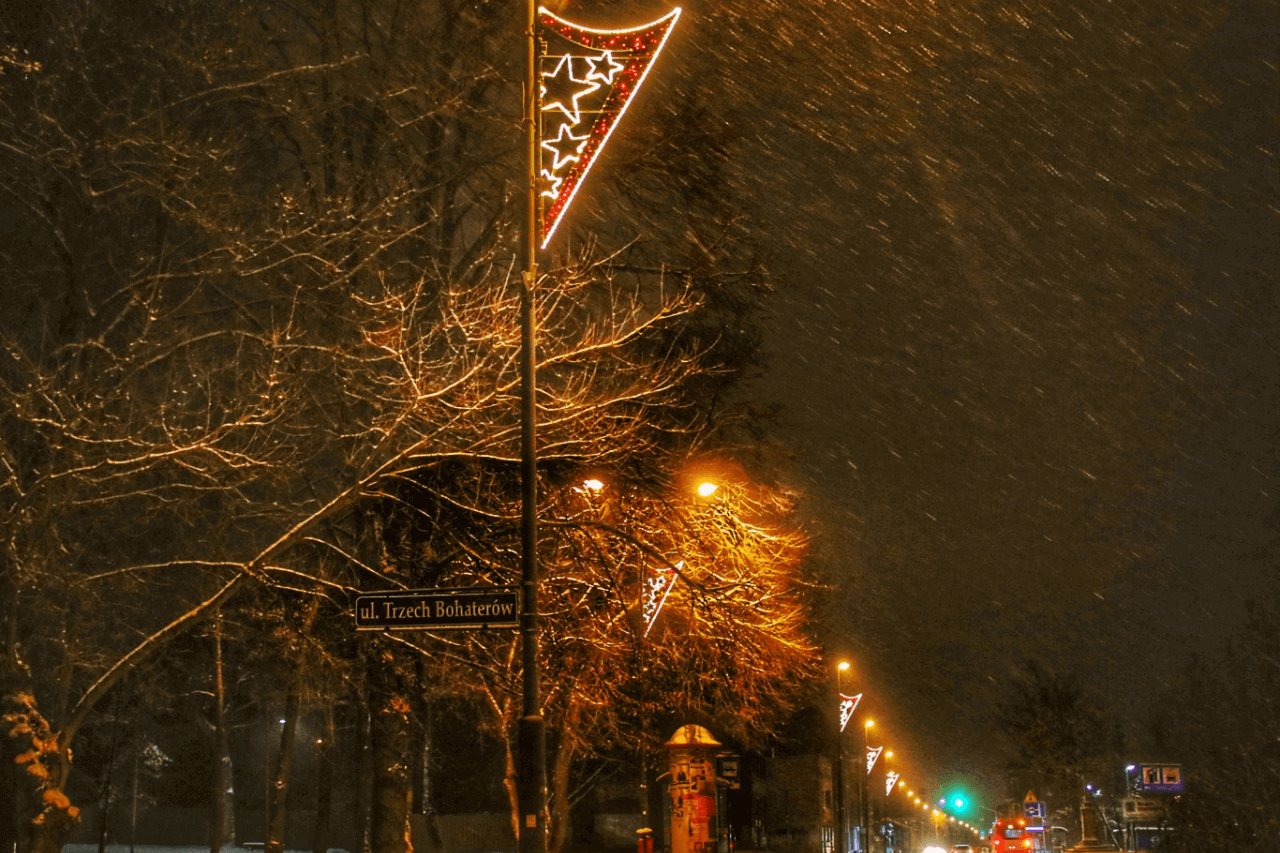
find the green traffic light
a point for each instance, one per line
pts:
(958, 803)
(955, 798)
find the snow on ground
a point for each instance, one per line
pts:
(156, 848)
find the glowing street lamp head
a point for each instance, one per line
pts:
(843, 666)
(707, 489)
(593, 485)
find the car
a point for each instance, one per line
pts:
(961, 848)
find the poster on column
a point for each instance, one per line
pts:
(701, 813)
(693, 802)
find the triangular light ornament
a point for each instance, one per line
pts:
(656, 590)
(587, 78)
(848, 704)
(873, 752)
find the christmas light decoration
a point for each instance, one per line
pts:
(890, 779)
(656, 590)
(588, 77)
(873, 753)
(848, 704)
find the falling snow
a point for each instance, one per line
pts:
(1025, 335)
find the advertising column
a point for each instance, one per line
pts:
(692, 753)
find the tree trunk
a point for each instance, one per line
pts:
(324, 784)
(222, 821)
(278, 812)
(422, 752)
(364, 772)
(104, 799)
(510, 783)
(390, 711)
(559, 805)
(8, 794)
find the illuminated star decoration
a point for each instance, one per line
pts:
(872, 754)
(848, 704)
(890, 779)
(656, 590)
(587, 78)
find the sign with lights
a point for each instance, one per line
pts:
(1157, 778)
(438, 609)
(588, 77)
(848, 704)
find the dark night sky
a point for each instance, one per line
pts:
(1025, 344)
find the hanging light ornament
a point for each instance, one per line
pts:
(656, 590)
(890, 779)
(848, 704)
(588, 77)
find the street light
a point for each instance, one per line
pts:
(864, 806)
(652, 595)
(889, 780)
(842, 823)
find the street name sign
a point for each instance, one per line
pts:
(439, 609)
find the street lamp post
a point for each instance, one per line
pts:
(644, 44)
(650, 599)
(531, 782)
(842, 823)
(884, 803)
(864, 805)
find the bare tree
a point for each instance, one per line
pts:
(660, 607)
(261, 322)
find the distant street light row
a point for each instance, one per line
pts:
(893, 780)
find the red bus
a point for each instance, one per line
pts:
(1010, 835)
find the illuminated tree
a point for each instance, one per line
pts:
(659, 609)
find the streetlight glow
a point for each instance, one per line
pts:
(706, 490)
